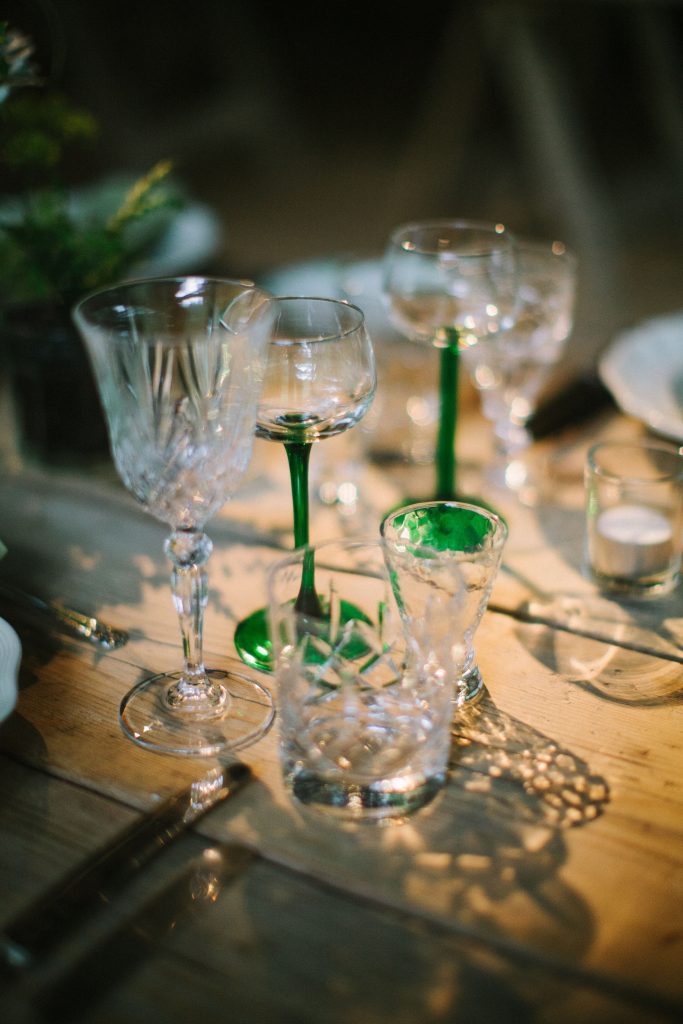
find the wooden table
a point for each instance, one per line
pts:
(545, 883)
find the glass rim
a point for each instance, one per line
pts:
(646, 446)
(331, 300)
(502, 529)
(132, 282)
(493, 228)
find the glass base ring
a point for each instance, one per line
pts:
(470, 688)
(147, 718)
(363, 801)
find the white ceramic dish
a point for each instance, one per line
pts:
(643, 369)
(10, 656)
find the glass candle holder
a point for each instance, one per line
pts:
(634, 517)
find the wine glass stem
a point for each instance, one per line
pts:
(448, 414)
(298, 455)
(188, 551)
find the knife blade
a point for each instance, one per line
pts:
(97, 880)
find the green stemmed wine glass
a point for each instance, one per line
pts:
(450, 284)
(320, 380)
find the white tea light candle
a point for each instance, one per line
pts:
(632, 541)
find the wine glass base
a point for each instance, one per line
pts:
(146, 718)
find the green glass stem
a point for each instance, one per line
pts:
(298, 456)
(448, 415)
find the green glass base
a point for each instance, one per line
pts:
(254, 646)
(252, 640)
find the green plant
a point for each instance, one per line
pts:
(52, 250)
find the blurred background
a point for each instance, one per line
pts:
(313, 129)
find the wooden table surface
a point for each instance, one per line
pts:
(544, 884)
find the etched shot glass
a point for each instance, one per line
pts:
(634, 517)
(429, 547)
(365, 730)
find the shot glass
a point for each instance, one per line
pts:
(426, 545)
(364, 730)
(634, 517)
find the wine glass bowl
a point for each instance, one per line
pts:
(450, 284)
(441, 276)
(320, 380)
(179, 364)
(320, 373)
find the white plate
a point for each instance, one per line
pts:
(643, 369)
(10, 656)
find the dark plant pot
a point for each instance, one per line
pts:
(59, 417)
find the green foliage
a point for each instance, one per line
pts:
(37, 133)
(49, 248)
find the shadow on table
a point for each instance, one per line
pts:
(240, 935)
(89, 548)
(625, 651)
(496, 934)
(481, 864)
(620, 671)
(486, 854)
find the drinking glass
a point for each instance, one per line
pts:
(364, 729)
(450, 284)
(512, 368)
(320, 380)
(423, 541)
(179, 365)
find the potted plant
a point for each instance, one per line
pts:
(55, 246)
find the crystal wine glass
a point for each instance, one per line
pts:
(512, 368)
(179, 364)
(450, 284)
(320, 380)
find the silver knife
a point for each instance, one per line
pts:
(75, 622)
(36, 931)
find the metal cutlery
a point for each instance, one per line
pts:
(38, 930)
(87, 627)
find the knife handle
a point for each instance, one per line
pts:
(580, 400)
